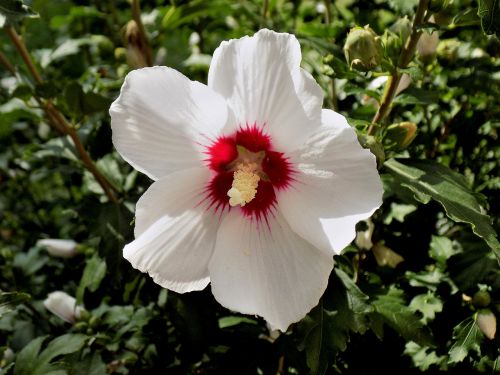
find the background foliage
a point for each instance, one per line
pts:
(379, 314)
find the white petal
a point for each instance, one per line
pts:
(59, 247)
(175, 234)
(337, 186)
(263, 83)
(162, 121)
(63, 305)
(267, 270)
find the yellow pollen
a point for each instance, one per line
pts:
(244, 187)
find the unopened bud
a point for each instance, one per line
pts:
(481, 299)
(64, 306)
(59, 247)
(136, 50)
(385, 256)
(400, 136)
(362, 49)
(487, 323)
(427, 45)
(402, 27)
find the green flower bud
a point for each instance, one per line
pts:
(393, 44)
(481, 299)
(402, 27)
(399, 136)
(362, 49)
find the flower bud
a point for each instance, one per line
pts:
(487, 323)
(393, 44)
(362, 49)
(136, 50)
(59, 247)
(399, 136)
(64, 306)
(402, 27)
(385, 256)
(427, 45)
(481, 299)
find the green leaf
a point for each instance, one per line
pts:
(489, 13)
(314, 345)
(31, 362)
(326, 331)
(94, 272)
(428, 304)
(392, 308)
(423, 358)
(448, 188)
(25, 360)
(231, 321)
(9, 301)
(441, 249)
(65, 344)
(467, 336)
(398, 212)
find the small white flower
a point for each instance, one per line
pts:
(63, 305)
(256, 187)
(59, 247)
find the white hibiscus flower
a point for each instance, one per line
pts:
(256, 187)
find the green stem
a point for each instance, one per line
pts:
(405, 57)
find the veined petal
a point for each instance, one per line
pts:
(267, 269)
(337, 186)
(262, 81)
(175, 235)
(161, 121)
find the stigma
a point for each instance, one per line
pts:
(244, 187)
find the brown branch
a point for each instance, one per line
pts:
(6, 63)
(58, 121)
(136, 16)
(21, 48)
(404, 59)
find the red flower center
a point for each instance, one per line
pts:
(248, 146)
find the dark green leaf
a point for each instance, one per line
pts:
(9, 301)
(489, 13)
(448, 188)
(94, 272)
(395, 313)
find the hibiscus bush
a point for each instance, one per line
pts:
(275, 237)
